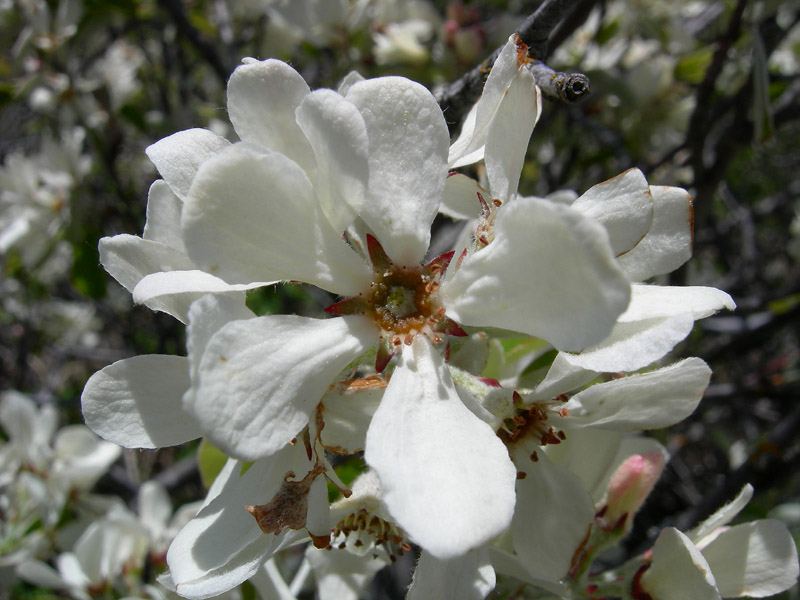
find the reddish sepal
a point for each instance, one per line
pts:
(385, 353)
(348, 306)
(450, 327)
(377, 255)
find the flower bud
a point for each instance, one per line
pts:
(630, 484)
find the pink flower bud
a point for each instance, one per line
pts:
(629, 486)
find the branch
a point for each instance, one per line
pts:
(207, 50)
(557, 85)
(457, 97)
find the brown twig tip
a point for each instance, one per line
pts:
(557, 85)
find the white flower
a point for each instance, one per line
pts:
(97, 560)
(755, 559)
(35, 195)
(312, 165)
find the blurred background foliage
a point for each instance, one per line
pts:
(703, 94)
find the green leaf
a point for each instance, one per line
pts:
(691, 68)
(210, 461)
(88, 276)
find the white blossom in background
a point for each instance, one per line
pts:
(99, 560)
(117, 71)
(714, 560)
(35, 193)
(42, 469)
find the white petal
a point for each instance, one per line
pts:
(338, 137)
(107, 545)
(408, 143)
(19, 418)
(549, 272)
(174, 292)
(446, 477)
(668, 244)
(348, 81)
(347, 410)
(164, 216)
(223, 546)
(253, 217)
(260, 379)
(678, 570)
(642, 401)
(705, 531)
(562, 377)
(136, 402)
(649, 301)
(509, 134)
(632, 346)
(178, 156)
(468, 577)
(128, 258)
(262, 99)
(155, 508)
(207, 316)
(623, 205)
(507, 563)
(461, 151)
(754, 559)
(341, 575)
(469, 146)
(589, 454)
(81, 457)
(553, 516)
(40, 574)
(269, 583)
(460, 199)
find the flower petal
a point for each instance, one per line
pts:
(634, 345)
(549, 272)
(668, 244)
(260, 379)
(553, 506)
(223, 546)
(253, 217)
(678, 570)
(174, 292)
(136, 402)
(706, 531)
(341, 575)
(623, 205)
(207, 316)
(129, 258)
(641, 401)
(465, 496)
(262, 99)
(408, 141)
(649, 301)
(467, 577)
(754, 559)
(469, 146)
(509, 134)
(178, 156)
(347, 410)
(460, 199)
(164, 216)
(589, 454)
(338, 137)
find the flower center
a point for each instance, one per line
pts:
(400, 300)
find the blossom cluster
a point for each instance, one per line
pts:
(493, 394)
